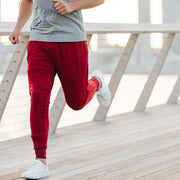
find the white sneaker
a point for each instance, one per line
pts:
(103, 94)
(36, 171)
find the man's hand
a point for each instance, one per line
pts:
(14, 36)
(63, 7)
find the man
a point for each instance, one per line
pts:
(57, 44)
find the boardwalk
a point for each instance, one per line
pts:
(137, 145)
(15, 121)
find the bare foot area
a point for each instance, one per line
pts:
(100, 84)
(42, 160)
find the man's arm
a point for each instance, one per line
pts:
(67, 7)
(24, 14)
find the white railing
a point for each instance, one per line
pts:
(96, 28)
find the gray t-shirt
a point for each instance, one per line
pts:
(50, 26)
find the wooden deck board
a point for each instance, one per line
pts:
(137, 145)
(16, 124)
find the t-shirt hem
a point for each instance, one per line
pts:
(51, 38)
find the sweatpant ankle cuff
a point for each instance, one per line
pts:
(40, 152)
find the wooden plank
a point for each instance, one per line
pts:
(100, 158)
(101, 28)
(128, 122)
(127, 135)
(164, 174)
(102, 111)
(92, 161)
(56, 110)
(175, 92)
(98, 143)
(133, 168)
(133, 118)
(11, 73)
(73, 153)
(77, 162)
(146, 93)
(89, 37)
(134, 127)
(175, 176)
(59, 104)
(12, 115)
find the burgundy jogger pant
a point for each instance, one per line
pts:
(70, 61)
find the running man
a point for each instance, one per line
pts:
(57, 45)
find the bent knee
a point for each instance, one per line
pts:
(76, 104)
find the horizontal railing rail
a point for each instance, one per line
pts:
(96, 28)
(101, 28)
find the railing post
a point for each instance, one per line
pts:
(59, 104)
(146, 93)
(175, 92)
(11, 73)
(89, 37)
(102, 111)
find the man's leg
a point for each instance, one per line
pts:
(72, 68)
(41, 74)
